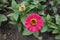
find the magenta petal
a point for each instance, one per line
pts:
(30, 29)
(38, 26)
(34, 29)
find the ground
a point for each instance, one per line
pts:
(10, 32)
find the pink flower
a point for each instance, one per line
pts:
(34, 22)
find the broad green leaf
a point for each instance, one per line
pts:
(35, 1)
(58, 1)
(54, 9)
(48, 17)
(2, 18)
(52, 25)
(44, 29)
(31, 7)
(26, 32)
(57, 19)
(51, 2)
(41, 7)
(15, 6)
(13, 22)
(57, 37)
(10, 14)
(36, 34)
(14, 16)
(24, 3)
(41, 13)
(55, 31)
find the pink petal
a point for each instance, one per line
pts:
(38, 26)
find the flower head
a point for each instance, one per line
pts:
(34, 22)
(22, 8)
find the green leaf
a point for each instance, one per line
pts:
(52, 25)
(15, 6)
(13, 22)
(13, 16)
(44, 29)
(55, 31)
(41, 7)
(23, 18)
(48, 17)
(57, 37)
(2, 18)
(51, 2)
(24, 3)
(19, 27)
(57, 19)
(35, 1)
(54, 9)
(26, 32)
(41, 13)
(31, 7)
(36, 34)
(58, 1)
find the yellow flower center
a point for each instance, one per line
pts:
(33, 22)
(21, 8)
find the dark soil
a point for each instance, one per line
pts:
(9, 32)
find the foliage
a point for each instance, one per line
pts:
(3, 7)
(2, 18)
(33, 6)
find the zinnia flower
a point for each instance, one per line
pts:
(34, 22)
(22, 8)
